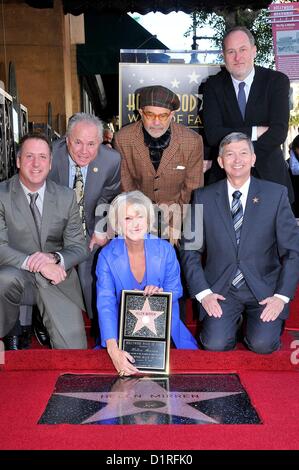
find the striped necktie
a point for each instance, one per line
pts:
(79, 190)
(237, 215)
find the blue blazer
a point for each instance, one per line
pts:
(114, 274)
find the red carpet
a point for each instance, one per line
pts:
(28, 378)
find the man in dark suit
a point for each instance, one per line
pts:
(99, 166)
(251, 245)
(250, 99)
(41, 240)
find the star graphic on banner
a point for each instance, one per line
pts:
(193, 77)
(147, 395)
(141, 80)
(175, 83)
(146, 317)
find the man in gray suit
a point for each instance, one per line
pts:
(41, 240)
(251, 247)
(81, 150)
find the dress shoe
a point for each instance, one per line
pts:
(40, 331)
(11, 343)
(25, 339)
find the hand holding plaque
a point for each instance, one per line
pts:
(145, 323)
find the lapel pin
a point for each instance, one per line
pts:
(255, 200)
(95, 169)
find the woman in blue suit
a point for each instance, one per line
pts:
(135, 260)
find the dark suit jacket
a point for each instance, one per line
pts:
(114, 275)
(61, 230)
(180, 169)
(268, 253)
(267, 105)
(102, 181)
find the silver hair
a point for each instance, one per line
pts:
(243, 29)
(131, 198)
(234, 137)
(89, 119)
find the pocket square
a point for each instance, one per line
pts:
(180, 167)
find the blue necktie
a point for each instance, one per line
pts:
(242, 98)
(237, 215)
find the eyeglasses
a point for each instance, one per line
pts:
(152, 116)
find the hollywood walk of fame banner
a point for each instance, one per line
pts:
(145, 323)
(185, 80)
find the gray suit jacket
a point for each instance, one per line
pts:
(61, 230)
(102, 182)
(268, 253)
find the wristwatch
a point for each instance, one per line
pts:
(56, 257)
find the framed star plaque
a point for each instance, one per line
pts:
(145, 323)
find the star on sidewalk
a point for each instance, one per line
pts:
(175, 83)
(138, 396)
(146, 317)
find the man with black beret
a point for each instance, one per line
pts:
(161, 158)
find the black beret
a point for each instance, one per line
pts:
(158, 95)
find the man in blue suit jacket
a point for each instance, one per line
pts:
(265, 115)
(251, 263)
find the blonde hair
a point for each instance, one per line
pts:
(138, 200)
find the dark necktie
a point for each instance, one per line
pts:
(79, 190)
(35, 212)
(237, 215)
(242, 98)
